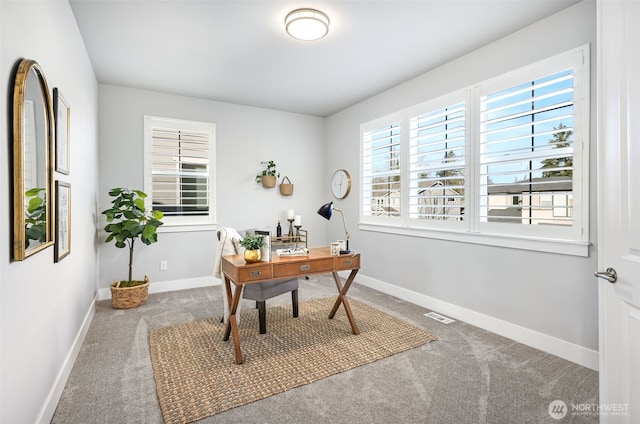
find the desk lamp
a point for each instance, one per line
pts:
(326, 211)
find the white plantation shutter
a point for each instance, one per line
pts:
(526, 152)
(504, 162)
(381, 185)
(180, 169)
(437, 164)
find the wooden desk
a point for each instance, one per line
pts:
(319, 261)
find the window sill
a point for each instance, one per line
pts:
(185, 228)
(563, 247)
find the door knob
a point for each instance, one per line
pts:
(610, 275)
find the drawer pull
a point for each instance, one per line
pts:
(347, 262)
(255, 273)
(305, 267)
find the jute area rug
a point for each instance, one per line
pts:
(196, 374)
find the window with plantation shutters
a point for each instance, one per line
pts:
(381, 170)
(504, 162)
(526, 152)
(179, 177)
(437, 164)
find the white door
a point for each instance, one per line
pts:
(619, 209)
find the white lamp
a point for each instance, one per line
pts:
(307, 24)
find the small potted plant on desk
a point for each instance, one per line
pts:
(269, 175)
(252, 244)
(127, 220)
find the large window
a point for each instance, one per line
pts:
(179, 172)
(527, 152)
(504, 160)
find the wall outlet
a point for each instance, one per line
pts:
(163, 265)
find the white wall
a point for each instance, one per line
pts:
(540, 296)
(44, 306)
(245, 136)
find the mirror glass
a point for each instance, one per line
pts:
(32, 143)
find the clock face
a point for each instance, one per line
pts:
(341, 183)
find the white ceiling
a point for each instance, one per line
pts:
(238, 51)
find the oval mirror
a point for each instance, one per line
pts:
(32, 144)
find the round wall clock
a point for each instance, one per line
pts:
(341, 183)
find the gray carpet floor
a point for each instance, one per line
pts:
(467, 376)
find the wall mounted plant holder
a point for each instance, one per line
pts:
(269, 181)
(286, 189)
(268, 176)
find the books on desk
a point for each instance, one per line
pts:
(300, 251)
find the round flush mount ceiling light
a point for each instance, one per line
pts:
(307, 24)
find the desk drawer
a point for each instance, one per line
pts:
(254, 273)
(301, 268)
(346, 262)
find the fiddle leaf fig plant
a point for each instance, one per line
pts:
(128, 219)
(35, 217)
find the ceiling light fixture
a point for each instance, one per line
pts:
(307, 24)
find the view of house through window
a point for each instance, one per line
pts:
(437, 164)
(381, 170)
(527, 153)
(494, 158)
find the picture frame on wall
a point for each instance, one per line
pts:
(63, 220)
(62, 113)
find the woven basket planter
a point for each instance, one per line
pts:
(286, 189)
(269, 181)
(129, 297)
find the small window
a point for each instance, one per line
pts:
(437, 163)
(179, 175)
(381, 170)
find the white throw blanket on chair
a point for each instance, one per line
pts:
(226, 246)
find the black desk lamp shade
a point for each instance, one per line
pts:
(326, 211)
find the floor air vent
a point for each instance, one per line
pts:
(439, 318)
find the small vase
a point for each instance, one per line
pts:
(252, 256)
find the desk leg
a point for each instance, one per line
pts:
(227, 286)
(342, 298)
(232, 325)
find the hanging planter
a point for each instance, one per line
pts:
(286, 189)
(269, 181)
(268, 176)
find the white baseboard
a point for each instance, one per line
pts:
(544, 342)
(49, 407)
(165, 286)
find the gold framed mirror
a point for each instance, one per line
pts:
(33, 135)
